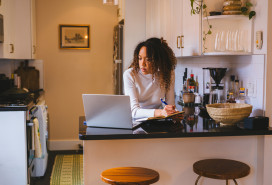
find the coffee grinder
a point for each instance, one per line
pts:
(213, 89)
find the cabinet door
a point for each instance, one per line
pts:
(176, 26)
(153, 27)
(158, 19)
(22, 27)
(191, 26)
(165, 20)
(7, 47)
(172, 20)
(17, 29)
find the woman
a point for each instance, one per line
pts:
(151, 77)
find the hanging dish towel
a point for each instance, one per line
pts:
(37, 141)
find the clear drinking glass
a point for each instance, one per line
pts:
(217, 41)
(223, 41)
(229, 41)
(235, 40)
(228, 44)
(246, 44)
(240, 39)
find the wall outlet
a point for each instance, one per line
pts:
(259, 39)
(252, 89)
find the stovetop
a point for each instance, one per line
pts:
(14, 103)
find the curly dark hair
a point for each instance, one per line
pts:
(163, 60)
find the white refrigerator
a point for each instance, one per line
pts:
(118, 58)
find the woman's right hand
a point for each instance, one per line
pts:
(168, 109)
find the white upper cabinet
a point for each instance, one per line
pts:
(153, 18)
(172, 20)
(162, 21)
(18, 32)
(185, 32)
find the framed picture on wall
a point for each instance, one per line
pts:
(74, 36)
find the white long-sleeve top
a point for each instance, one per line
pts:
(145, 93)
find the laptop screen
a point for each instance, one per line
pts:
(110, 111)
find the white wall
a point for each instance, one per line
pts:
(69, 73)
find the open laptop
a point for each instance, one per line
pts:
(110, 111)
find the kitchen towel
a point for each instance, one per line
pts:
(37, 141)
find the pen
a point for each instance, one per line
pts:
(164, 102)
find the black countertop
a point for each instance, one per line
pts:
(195, 124)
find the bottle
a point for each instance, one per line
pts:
(191, 84)
(236, 89)
(12, 80)
(231, 98)
(230, 94)
(184, 85)
(196, 85)
(241, 98)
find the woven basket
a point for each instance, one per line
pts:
(229, 113)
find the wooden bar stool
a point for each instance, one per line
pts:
(223, 169)
(130, 176)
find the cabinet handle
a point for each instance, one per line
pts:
(12, 48)
(178, 37)
(182, 41)
(34, 50)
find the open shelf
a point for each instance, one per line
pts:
(226, 17)
(224, 25)
(226, 53)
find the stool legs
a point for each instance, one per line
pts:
(235, 182)
(197, 179)
(227, 181)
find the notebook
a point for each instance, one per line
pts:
(108, 111)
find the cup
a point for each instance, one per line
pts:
(228, 41)
(235, 40)
(240, 41)
(188, 97)
(217, 41)
(223, 41)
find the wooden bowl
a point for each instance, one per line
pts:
(229, 113)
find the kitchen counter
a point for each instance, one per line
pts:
(192, 126)
(172, 150)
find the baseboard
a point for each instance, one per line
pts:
(64, 145)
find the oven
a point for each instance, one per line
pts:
(35, 120)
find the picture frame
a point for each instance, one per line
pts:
(74, 36)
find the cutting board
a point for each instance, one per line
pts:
(30, 77)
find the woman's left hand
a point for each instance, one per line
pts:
(178, 117)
